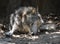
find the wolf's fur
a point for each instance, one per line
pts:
(26, 20)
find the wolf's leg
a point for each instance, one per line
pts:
(34, 28)
(14, 27)
(11, 21)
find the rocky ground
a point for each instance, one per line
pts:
(53, 38)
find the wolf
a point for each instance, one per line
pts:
(26, 20)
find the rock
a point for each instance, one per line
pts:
(1, 30)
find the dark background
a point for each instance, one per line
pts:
(45, 7)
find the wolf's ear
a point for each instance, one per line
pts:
(33, 10)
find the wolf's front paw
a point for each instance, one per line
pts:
(8, 34)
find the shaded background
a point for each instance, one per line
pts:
(45, 7)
